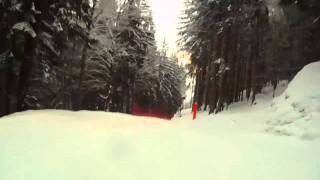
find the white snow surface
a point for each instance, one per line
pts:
(297, 111)
(233, 145)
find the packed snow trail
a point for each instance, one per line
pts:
(88, 145)
(242, 143)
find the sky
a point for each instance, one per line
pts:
(166, 15)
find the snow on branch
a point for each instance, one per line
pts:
(25, 27)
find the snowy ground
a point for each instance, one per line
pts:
(297, 111)
(242, 143)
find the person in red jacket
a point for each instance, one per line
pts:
(195, 110)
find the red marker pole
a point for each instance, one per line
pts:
(195, 110)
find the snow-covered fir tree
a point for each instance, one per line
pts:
(100, 63)
(133, 40)
(63, 35)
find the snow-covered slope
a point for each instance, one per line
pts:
(297, 111)
(64, 145)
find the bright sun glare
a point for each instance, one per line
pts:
(166, 14)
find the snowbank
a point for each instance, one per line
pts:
(297, 111)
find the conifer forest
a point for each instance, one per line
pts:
(102, 54)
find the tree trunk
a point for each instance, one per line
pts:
(82, 65)
(222, 81)
(213, 75)
(25, 73)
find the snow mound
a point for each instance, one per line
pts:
(297, 111)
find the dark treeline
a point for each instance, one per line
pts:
(81, 54)
(239, 46)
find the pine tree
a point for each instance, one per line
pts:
(160, 84)
(83, 55)
(133, 40)
(214, 33)
(99, 81)
(17, 37)
(62, 32)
